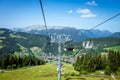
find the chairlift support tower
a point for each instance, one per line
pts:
(59, 39)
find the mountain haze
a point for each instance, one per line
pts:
(76, 34)
(116, 34)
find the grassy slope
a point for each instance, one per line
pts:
(117, 48)
(43, 72)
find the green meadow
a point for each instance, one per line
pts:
(48, 72)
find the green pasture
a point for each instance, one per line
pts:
(116, 48)
(47, 72)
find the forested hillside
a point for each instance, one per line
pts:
(20, 49)
(97, 45)
(90, 63)
(12, 42)
(34, 44)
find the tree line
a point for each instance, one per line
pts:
(110, 62)
(13, 62)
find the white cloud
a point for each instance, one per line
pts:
(85, 13)
(70, 11)
(88, 15)
(92, 3)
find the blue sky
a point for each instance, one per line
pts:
(81, 14)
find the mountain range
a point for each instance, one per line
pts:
(20, 42)
(76, 34)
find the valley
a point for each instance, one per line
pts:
(31, 55)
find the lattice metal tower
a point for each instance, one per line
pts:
(59, 39)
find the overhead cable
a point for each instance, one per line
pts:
(105, 21)
(101, 23)
(44, 16)
(80, 31)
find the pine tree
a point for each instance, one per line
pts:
(91, 66)
(113, 63)
(118, 58)
(77, 65)
(104, 61)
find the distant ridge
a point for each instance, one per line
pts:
(76, 34)
(116, 34)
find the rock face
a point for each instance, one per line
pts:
(87, 44)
